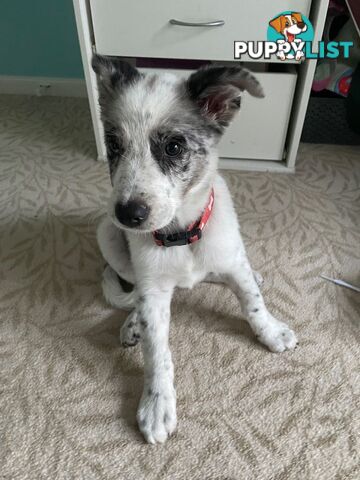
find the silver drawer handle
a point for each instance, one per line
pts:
(215, 23)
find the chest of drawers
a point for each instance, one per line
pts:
(266, 133)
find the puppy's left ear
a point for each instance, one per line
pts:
(217, 91)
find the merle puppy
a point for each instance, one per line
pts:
(170, 221)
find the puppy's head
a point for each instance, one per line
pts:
(292, 23)
(161, 134)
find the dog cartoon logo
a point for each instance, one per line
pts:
(290, 28)
(290, 36)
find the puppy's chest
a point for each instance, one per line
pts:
(190, 276)
(184, 267)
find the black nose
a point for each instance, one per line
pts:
(301, 25)
(131, 214)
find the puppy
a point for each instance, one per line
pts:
(170, 220)
(289, 26)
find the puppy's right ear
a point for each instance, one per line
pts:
(216, 90)
(113, 73)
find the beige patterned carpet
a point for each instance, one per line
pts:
(69, 392)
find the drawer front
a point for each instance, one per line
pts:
(142, 29)
(259, 129)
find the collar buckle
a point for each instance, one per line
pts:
(189, 236)
(181, 238)
(174, 240)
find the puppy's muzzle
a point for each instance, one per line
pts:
(131, 214)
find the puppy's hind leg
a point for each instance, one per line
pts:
(115, 250)
(115, 296)
(276, 335)
(114, 293)
(118, 277)
(130, 331)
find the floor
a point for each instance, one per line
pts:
(69, 392)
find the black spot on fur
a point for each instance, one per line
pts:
(255, 310)
(114, 148)
(169, 165)
(125, 285)
(201, 151)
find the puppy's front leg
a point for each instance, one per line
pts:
(157, 410)
(276, 335)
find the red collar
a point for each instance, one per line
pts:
(191, 234)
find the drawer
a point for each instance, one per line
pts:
(142, 29)
(260, 127)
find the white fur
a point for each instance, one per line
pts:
(218, 256)
(175, 199)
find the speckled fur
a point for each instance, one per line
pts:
(138, 107)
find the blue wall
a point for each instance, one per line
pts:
(39, 38)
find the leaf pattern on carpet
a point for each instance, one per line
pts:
(69, 392)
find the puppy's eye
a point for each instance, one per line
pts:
(114, 145)
(287, 23)
(173, 148)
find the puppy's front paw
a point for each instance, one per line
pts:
(277, 336)
(157, 414)
(130, 332)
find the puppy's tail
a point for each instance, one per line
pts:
(116, 292)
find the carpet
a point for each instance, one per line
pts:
(69, 392)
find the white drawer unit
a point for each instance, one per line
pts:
(131, 28)
(265, 134)
(260, 128)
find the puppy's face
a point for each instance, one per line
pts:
(289, 24)
(161, 133)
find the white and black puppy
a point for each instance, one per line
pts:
(171, 222)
